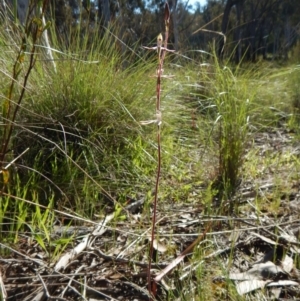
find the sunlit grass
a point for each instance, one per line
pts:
(86, 144)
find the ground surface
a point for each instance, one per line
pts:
(250, 255)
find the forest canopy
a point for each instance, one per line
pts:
(240, 29)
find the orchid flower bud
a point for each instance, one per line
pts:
(159, 42)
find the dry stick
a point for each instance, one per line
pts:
(189, 249)
(14, 160)
(49, 297)
(161, 56)
(2, 288)
(43, 265)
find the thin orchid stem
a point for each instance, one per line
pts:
(161, 56)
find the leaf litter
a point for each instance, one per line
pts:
(257, 251)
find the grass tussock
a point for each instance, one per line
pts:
(79, 126)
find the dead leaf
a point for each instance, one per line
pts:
(287, 264)
(258, 272)
(283, 283)
(159, 246)
(247, 286)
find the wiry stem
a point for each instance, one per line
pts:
(161, 56)
(10, 113)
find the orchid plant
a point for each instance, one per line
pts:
(162, 49)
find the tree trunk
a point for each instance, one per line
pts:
(16, 9)
(106, 12)
(238, 52)
(225, 20)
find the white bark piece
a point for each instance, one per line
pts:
(247, 286)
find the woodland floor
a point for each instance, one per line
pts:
(250, 255)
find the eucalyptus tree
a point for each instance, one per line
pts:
(256, 28)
